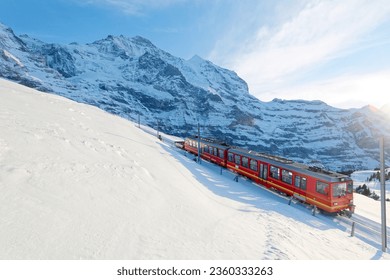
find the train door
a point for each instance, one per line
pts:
(300, 183)
(263, 171)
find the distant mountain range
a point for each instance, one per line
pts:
(131, 77)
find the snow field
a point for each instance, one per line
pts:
(79, 183)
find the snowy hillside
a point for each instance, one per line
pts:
(79, 183)
(131, 77)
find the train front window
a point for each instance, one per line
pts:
(339, 189)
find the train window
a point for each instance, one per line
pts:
(322, 187)
(237, 159)
(297, 181)
(300, 182)
(245, 162)
(274, 172)
(287, 176)
(221, 154)
(303, 183)
(263, 171)
(253, 165)
(230, 157)
(206, 149)
(339, 189)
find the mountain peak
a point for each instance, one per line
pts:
(143, 41)
(8, 39)
(125, 47)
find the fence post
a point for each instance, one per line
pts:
(314, 210)
(353, 229)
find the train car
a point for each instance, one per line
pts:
(210, 149)
(329, 191)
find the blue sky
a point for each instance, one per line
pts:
(335, 51)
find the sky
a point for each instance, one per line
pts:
(334, 51)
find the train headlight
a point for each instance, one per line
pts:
(335, 203)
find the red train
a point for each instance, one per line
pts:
(329, 191)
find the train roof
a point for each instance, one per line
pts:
(292, 165)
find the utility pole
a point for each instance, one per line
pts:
(383, 194)
(158, 128)
(199, 144)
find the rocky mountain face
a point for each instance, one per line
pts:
(131, 77)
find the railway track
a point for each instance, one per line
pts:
(364, 228)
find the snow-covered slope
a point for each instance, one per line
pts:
(79, 183)
(131, 77)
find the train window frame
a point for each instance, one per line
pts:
(245, 162)
(297, 181)
(322, 187)
(300, 182)
(350, 187)
(303, 183)
(230, 157)
(287, 176)
(221, 153)
(253, 165)
(274, 172)
(215, 151)
(237, 159)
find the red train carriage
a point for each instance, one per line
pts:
(329, 191)
(211, 150)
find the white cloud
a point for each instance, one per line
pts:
(318, 32)
(347, 91)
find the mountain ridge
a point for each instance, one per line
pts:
(132, 77)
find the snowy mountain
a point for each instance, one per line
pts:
(133, 78)
(79, 183)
